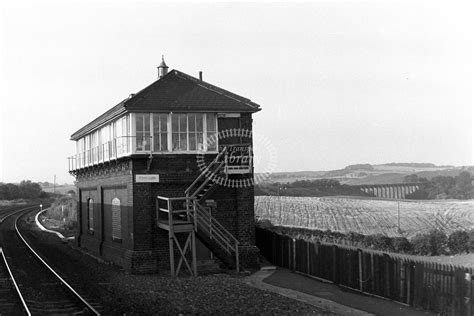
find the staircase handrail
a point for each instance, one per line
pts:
(225, 239)
(212, 220)
(208, 179)
(222, 240)
(205, 171)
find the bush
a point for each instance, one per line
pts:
(401, 244)
(421, 244)
(379, 242)
(471, 240)
(458, 242)
(264, 223)
(355, 237)
(434, 243)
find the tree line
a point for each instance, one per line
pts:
(320, 187)
(25, 190)
(443, 187)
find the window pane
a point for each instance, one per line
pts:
(211, 141)
(183, 144)
(146, 123)
(139, 122)
(200, 143)
(192, 122)
(156, 142)
(175, 123)
(164, 122)
(199, 122)
(192, 141)
(182, 123)
(164, 142)
(175, 141)
(156, 132)
(211, 122)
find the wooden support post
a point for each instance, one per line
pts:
(408, 281)
(361, 278)
(372, 272)
(386, 275)
(290, 257)
(469, 279)
(171, 236)
(193, 249)
(294, 254)
(402, 274)
(308, 263)
(237, 263)
(171, 253)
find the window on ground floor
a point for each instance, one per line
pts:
(116, 219)
(90, 214)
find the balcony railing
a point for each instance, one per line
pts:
(111, 150)
(238, 158)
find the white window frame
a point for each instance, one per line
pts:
(168, 136)
(133, 118)
(90, 215)
(205, 150)
(116, 233)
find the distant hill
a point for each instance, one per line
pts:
(411, 164)
(371, 174)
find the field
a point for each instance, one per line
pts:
(366, 216)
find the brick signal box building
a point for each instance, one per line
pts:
(164, 178)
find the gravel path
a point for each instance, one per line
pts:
(122, 293)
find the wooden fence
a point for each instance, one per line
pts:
(442, 288)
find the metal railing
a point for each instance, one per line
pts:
(118, 147)
(176, 208)
(215, 231)
(203, 220)
(206, 175)
(180, 213)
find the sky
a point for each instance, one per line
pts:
(339, 82)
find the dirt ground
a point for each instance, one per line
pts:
(122, 293)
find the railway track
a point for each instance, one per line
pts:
(11, 301)
(40, 290)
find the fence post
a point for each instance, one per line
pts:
(294, 255)
(361, 278)
(308, 270)
(408, 281)
(418, 291)
(386, 275)
(469, 293)
(372, 273)
(334, 264)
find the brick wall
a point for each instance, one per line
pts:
(144, 247)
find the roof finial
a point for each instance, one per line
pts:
(162, 68)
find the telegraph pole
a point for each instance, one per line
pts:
(54, 184)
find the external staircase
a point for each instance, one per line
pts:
(188, 215)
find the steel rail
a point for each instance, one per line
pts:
(15, 212)
(77, 295)
(27, 310)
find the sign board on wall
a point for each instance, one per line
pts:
(228, 115)
(147, 178)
